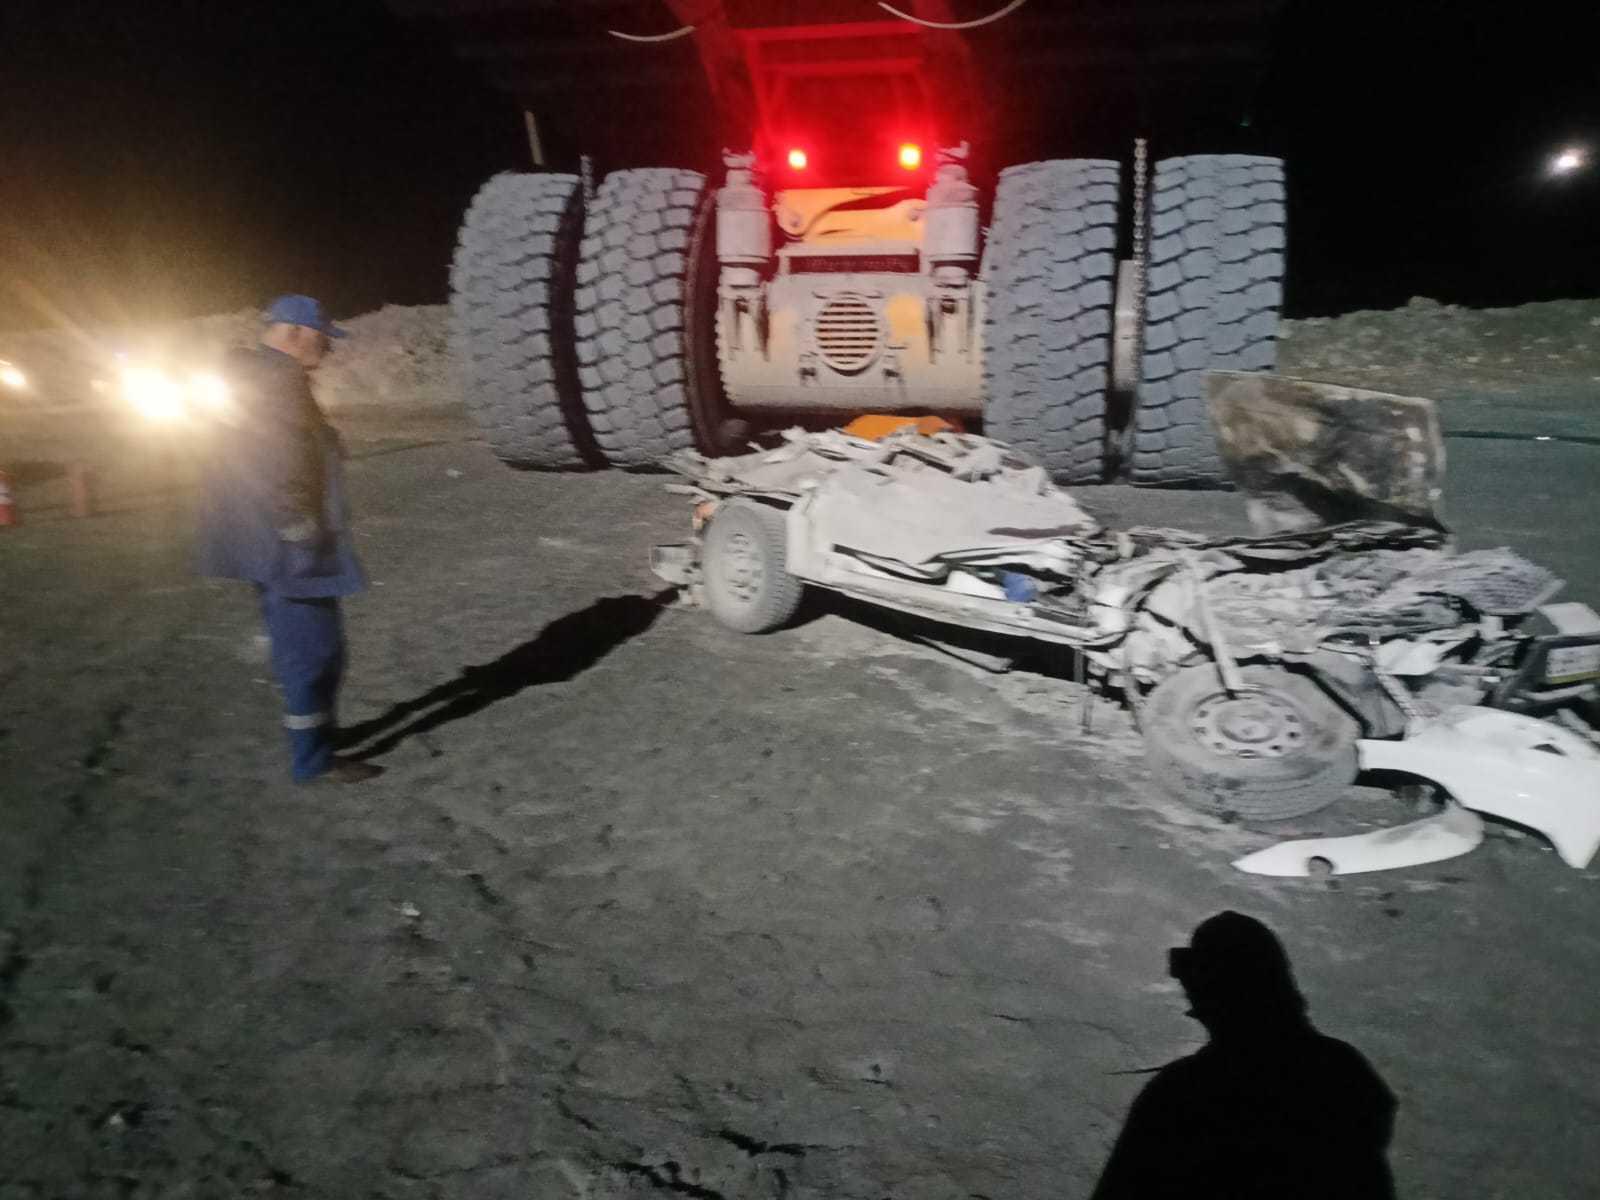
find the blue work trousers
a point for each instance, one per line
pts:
(308, 659)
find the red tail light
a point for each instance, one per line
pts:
(797, 159)
(910, 155)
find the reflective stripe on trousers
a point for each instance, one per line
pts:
(308, 661)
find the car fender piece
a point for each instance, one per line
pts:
(1507, 765)
(1453, 832)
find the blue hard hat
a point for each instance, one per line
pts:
(302, 310)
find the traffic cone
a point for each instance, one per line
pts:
(8, 504)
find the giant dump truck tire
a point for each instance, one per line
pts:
(633, 348)
(511, 320)
(1213, 290)
(1049, 263)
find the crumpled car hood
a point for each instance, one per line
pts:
(909, 499)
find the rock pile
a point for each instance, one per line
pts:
(1432, 345)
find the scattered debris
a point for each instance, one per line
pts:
(1516, 767)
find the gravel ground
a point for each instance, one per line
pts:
(644, 907)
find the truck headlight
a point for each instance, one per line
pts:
(154, 394)
(13, 378)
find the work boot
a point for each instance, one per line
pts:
(347, 770)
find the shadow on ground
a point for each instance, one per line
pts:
(564, 649)
(1268, 1107)
(994, 653)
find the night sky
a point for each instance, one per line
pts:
(178, 157)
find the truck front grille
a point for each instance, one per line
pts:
(848, 331)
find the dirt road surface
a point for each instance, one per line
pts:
(645, 908)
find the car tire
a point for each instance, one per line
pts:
(744, 565)
(1281, 748)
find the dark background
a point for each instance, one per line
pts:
(182, 157)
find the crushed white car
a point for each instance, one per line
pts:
(1264, 671)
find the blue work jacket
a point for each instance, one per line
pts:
(270, 463)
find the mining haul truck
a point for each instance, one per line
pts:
(844, 262)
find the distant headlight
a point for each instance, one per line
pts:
(1568, 161)
(163, 397)
(154, 394)
(13, 378)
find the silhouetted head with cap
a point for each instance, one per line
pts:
(1236, 976)
(297, 326)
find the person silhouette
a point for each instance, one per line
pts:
(1268, 1107)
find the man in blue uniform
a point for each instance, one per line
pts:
(272, 512)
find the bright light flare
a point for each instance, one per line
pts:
(798, 160)
(910, 156)
(211, 392)
(1569, 160)
(154, 394)
(12, 377)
